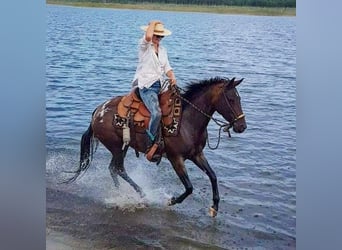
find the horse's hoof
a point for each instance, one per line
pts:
(172, 201)
(212, 212)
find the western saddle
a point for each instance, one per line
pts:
(131, 105)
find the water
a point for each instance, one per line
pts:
(91, 55)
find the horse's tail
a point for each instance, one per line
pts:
(88, 147)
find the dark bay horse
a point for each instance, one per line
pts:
(199, 102)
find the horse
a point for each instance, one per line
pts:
(199, 101)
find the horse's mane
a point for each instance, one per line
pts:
(193, 88)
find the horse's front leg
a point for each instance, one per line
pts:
(178, 166)
(203, 164)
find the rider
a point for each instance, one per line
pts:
(153, 64)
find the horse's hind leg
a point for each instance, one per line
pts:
(113, 172)
(116, 167)
(203, 164)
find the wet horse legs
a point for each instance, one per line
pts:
(116, 168)
(178, 166)
(203, 164)
(113, 172)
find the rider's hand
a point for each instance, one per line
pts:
(154, 22)
(173, 81)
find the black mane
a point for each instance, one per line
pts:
(192, 89)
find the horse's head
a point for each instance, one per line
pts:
(229, 106)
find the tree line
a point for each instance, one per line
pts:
(254, 3)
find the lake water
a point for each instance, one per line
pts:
(91, 55)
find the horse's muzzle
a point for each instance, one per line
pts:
(239, 127)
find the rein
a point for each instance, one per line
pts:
(222, 124)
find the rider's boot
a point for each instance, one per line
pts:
(153, 152)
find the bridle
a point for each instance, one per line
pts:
(236, 116)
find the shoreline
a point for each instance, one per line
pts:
(233, 10)
(60, 240)
(74, 222)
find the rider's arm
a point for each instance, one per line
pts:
(150, 30)
(172, 76)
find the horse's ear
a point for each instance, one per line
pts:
(231, 83)
(236, 83)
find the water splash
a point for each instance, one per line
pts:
(98, 185)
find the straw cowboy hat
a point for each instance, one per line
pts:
(159, 30)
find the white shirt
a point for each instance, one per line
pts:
(150, 66)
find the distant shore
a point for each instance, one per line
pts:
(241, 10)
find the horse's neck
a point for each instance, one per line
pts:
(198, 115)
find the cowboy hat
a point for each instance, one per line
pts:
(159, 30)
